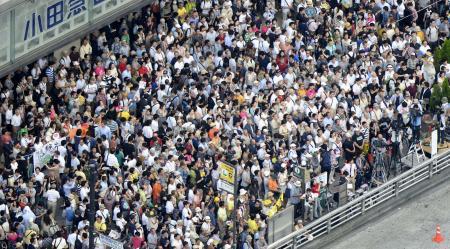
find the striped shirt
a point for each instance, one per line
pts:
(50, 72)
(113, 126)
(366, 133)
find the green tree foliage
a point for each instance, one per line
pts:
(446, 88)
(436, 97)
(442, 53)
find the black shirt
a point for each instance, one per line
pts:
(359, 139)
(348, 145)
(128, 149)
(403, 72)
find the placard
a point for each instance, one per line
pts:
(226, 172)
(226, 177)
(226, 186)
(434, 142)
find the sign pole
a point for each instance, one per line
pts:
(236, 223)
(228, 182)
(92, 180)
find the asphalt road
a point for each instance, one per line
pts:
(411, 226)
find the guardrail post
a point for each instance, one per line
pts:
(329, 225)
(294, 241)
(397, 188)
(363, 205)
(430, 169)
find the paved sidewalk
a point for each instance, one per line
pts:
(410, 227)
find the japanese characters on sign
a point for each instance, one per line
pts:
(226, 172)
(226, 177)
(43, 21)
(54, 16)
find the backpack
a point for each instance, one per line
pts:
(78, 244)
(287, 193)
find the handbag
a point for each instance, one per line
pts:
(53, 228)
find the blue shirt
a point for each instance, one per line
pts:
(99, 131)
(417, 121)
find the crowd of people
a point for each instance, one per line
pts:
(148, 105)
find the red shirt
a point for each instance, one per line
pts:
(282, 63)
(100, 71)
(143, 70)
(221, 37)
(122, 66)
(254, 29)
(265, 28)
(315, 188)
(137, 242)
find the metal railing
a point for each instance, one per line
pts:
(367, 201)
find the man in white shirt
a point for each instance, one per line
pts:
(176, 242)
(170, 166)
(59, 242)
(38, 175)
(350, 168)
(103, 213)
(91, 90)
(170, 206)
(286, 6)
(186, 212)
(16, 121)
(72, 238)
(52, 199)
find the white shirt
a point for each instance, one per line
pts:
(104, 214)
(52, 195)
(72, 238)
(286, 3)
(84, 193)
(59, 243)
(121, 223)
(186, 213)
(147, 131)
(350, 168)
(111, 160)
(16, 120)
(39, 177)
(170, 166)
(8, 116)
(91, 90)
(177, 244)
(169, 207)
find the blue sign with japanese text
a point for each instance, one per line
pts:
(40, 22)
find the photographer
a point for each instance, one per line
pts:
(396, 135)
(379, 144)
(416, 121)
(442, 118)
(325, 164)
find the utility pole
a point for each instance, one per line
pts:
(92, 180)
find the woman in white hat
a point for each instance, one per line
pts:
(206, 228)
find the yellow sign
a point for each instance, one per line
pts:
(226, 172)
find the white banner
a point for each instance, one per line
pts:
(44, 155)
(108, 241)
